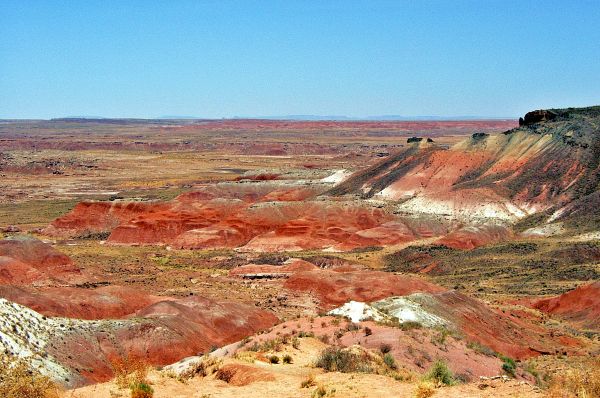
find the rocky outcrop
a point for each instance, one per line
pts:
(540, 115)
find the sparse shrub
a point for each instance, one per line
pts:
(225, 374)
(319, 392)
(352, 327)
(481, 349)
(335, 321)
(508, 365)
(296, 342)
(440, 374)
(410, 325)
(274, 359)
(309, 382)
(302, 334)
(336, 359)
(389, 360)
(385, 348)
(324, 338)
(141, 390)
(440, 337)
(18, 381)
(287, 358)
(129, 371)
(368, 331)
(424, 389)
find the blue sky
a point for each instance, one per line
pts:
(251, 58)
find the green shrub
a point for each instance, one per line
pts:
(141, 390)
(336, 359)
(274, 359)
(439, 373)
(389, 360)
(509, 365)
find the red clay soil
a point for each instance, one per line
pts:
(241, 375)
(509, 334)
(336, 288)
(100, 303)
(25, 260)
(159, 334)
(580, 306)
(415, 349)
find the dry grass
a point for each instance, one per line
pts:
(18, 381)
(309, 381)
(424, 389)
(582, 381)
(130, 371)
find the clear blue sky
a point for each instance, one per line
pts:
(230, 58)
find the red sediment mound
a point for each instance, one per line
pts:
(580, 306)
(15, 272)
(34, 252)
(26, 260)
(504, 333)
(94, 217)
(336, 288)
(161, 333)
(474, 236)
(71, 302)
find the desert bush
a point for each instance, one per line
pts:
(17, 380)
(440, 337)
(309, 382)
(296, 343)
(129, 370)
(509, 365)
(368, 331)
(385, 348)
(440, 374)
(319, 392)
(225, 374)
(389, 360)
(481, 349)
(203, 367)
(424, 389)
(287, 358)
(274, 359)
(336, 359)
(141, 390)
(324, 338)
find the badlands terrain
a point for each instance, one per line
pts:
(248, 258)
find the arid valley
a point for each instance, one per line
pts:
(250, 257)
